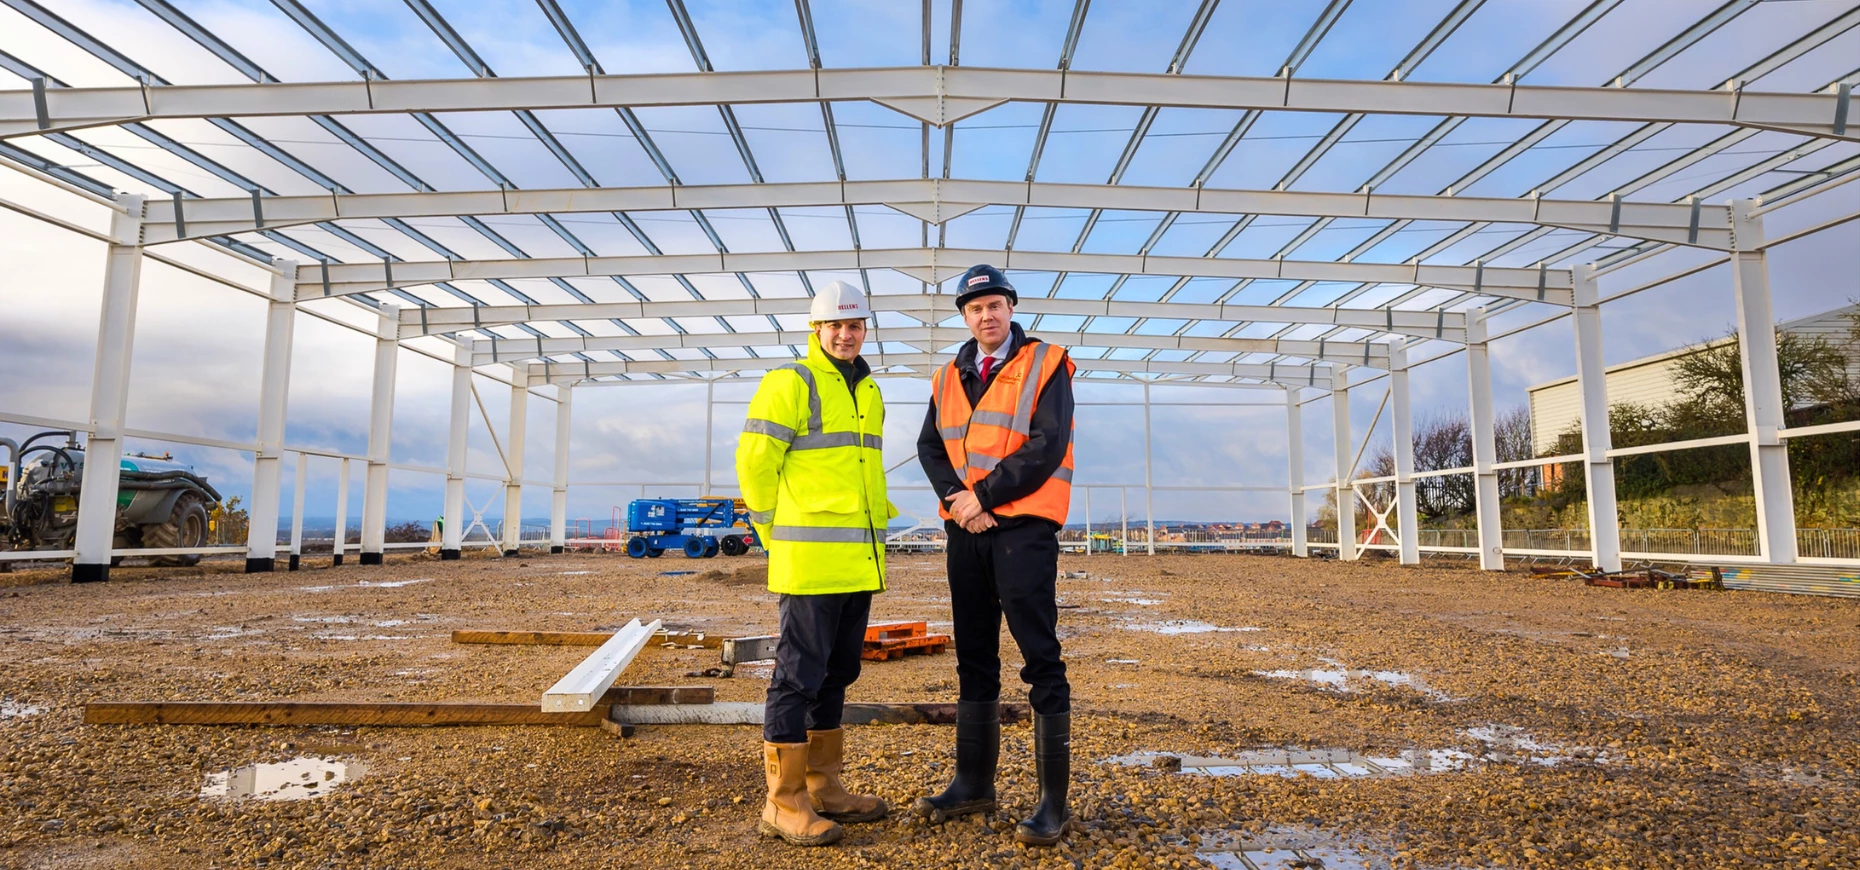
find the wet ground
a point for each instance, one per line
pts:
(1230, 711)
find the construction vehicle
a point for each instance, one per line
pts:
(160, 503)
(699, 527)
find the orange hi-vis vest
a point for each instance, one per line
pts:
(979, 437)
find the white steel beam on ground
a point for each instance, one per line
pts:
(1440, 325)
(273, 398)
(934, 266)
(937, 95)
(452, 531)
(380, 432)
(931, 340)
(942, 199)
(580, 688)
(1484, 444)
(1149, 473)
(1763, 398)
(558, 499)
(513, 457)
(1591, 381)
(1402, 430)
(297, 509)
(109, 394)
(1317, 376)
(1295, 459)
(1345, 492)
(340, 541)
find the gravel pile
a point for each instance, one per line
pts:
(1579, 727)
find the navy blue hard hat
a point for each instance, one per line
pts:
(983, 280)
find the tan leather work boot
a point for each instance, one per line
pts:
(825, 758)
(788, 813)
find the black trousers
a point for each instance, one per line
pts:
(1007, 571)
(816, 658)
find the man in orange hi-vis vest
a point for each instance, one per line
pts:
(997, 447)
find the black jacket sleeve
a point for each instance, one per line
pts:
(1026, 470)
(934, 457)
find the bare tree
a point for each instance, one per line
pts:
(1512, 432)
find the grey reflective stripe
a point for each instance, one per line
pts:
(953, 433)
(821, 535)
(1063, 473)
(813, 394)
(875, 442)
(761, 518)
(825, 440)
(768, 427)
(983, 461)
(992, 418)
(1023, 412)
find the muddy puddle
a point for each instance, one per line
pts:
(1182, 626)
(11, 709)
(364, 584)
(293, 780)
(1338, 678)
(1494, 744)
(1290, 849)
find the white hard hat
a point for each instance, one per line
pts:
(838, 301)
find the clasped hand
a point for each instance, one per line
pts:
(969, 513)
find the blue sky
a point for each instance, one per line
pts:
(198, 344)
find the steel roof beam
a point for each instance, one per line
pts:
(933, 266)
(931, 340)
(1444, 325)
(568, 373)
(1698, 225)
(937, 95)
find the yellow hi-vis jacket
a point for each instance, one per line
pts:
(812, 473)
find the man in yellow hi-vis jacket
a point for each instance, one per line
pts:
(812, 474)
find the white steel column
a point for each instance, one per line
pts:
(1149, 466)
(380, 431)
(297, 510)
(558, 500)
(1591, 379)
(1123, 509)
(1763, 400)
(1346, 494)
(1484, 444)
(1402, 426)
(341, 542)
(261, 545)
(513, 457)
(109, 394)
(1295, 462)
(710, 408)
(453, 530)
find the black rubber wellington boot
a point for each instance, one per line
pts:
(1052, 764)
(978, 751)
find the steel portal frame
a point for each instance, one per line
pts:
(1427, 299)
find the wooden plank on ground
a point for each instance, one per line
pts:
(750, 713)
(328, 713)
(581, 638)
(581, 688)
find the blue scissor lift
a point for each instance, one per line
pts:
(700, 527)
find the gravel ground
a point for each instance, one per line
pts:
(1588, 727)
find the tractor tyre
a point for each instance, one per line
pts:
(732, 545)
(711, 547)
(654, 552)
(636, 548)
(186, 527)
(694, 547)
